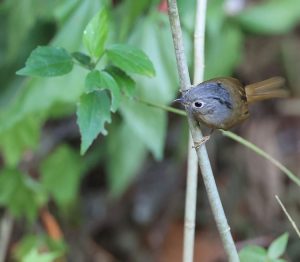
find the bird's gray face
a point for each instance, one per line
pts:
(209, 102)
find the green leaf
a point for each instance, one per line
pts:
(128, 13)
(187, 14)
(95, 34)
(34, 256)
(62, 181)
(38, 95)
(38, 242)
(22, 19)
(20, 194)
(278, 246)
(129, 152)
(124, 81)
(93, 112)
(130, 59)
(82, 58)
(225, 46)
(271, 17)
(24, 136)
(100, 80)
(215, 17)
(149, 124)
(253, 253)
(47, 61)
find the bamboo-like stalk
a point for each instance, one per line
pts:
(192, 167)
(203, 159)
(190, 204)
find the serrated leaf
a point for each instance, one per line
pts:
(93, 111)
(95, 34)
(125, 82)
(47, 61)
(42, 94)
(253, 253)
(271, 17)
(278, 246)
(130, 59)
(62, 181)
(100, 80)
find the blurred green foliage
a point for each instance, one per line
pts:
(107, 50)
(28, 249)
(272, 254)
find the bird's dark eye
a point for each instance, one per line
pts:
(198, 104)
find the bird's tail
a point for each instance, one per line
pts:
(270, 88)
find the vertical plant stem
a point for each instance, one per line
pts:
(202, 156)
(199, 36)
(190, 204)
(6, 226)
(192, 171)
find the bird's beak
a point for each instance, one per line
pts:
(179, 100)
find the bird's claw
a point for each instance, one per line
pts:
(203, 140)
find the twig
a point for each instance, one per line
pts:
(5, 232)
(163, 107)
(288, 216)
(262, 153)
(204, 163)
(236, 138)
(192, 167)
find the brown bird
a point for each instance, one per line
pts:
(222, 102)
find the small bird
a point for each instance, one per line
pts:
(222, 102)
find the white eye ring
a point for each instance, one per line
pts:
(198, 104)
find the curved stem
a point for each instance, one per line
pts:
(163, 107)
(234, 137)
(262, 153)
(294, 225)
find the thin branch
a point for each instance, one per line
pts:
(184, 78)
(234, 137)
(262, 153)
(190, 204)
(288, 216)
(160, 106)
(204, 162)
(192, 167)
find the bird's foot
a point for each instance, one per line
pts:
(203, 140)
